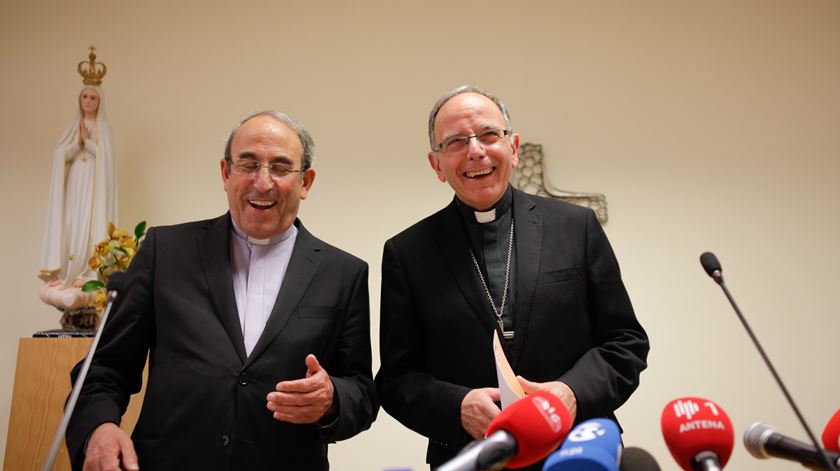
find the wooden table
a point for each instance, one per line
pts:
(42, 384)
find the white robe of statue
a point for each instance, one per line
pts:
(82, 200)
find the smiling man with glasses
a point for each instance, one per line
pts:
(537, 271)
(257, 332)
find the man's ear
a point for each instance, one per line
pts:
(435, 163)
(308, 179)
(514, 143)
(225, 170)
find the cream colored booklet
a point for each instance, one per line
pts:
(509, 388)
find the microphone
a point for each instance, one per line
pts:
(637, 459)
(831, 434)
(762, 441)
(698, 434)
(594, 445)
(116, 283)
(522, 434)
(712, 266)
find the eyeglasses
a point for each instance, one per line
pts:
(488, 137)
(277, 170)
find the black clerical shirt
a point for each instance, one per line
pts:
(490, 242)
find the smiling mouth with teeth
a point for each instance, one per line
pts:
(480, 173)
(261, 204)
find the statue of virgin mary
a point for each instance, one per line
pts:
(82, 195)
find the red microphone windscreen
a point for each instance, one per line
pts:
(691, 425)
(831, 434)
(539, 422)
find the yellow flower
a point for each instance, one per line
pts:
(119, 234)
(102, 248)
(128, 242)
(112, 255)
(100, 300)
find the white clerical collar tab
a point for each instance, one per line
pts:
(258, 241)
(485, 216)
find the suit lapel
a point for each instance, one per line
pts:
(303, 264)
(215, 258)
(528, 240)
(453, 244)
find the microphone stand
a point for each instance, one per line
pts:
(706, 461)
(717, 275)
(77, 388)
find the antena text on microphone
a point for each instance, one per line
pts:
(689, 408)
(698, 433)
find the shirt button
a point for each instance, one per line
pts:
(225, 440)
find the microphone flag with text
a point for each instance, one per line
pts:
(831, 434)
(763, 442)
(522, 434)
(698, 433)
(594, 445)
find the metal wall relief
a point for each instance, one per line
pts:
(528, 176)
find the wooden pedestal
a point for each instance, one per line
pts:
(42, 384)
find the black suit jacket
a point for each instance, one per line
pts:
(573, 319)
(205, 402)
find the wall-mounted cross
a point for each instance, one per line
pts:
(528, 176)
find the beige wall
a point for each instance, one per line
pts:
(708, 125)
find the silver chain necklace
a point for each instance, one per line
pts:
(500, 310)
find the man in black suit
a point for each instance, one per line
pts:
(257, 333)
(538, 271)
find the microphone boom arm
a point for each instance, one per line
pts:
(715, 273)
(77, 388)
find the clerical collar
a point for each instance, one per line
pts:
(270, 241)
(498, 210)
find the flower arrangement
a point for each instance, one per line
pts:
(113, 254)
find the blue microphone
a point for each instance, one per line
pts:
(594, 445)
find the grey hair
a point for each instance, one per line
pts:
(303, 135)
(457, 91)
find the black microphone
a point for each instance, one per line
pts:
(116, 283)
(489, 453)
(712, 266)
(762, 441)
(637, 459)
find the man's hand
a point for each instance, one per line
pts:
(303, 401)
(557, 388)
(477, 410)
(107, 446)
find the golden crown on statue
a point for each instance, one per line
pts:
(92, 71)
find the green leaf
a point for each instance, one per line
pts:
(93, 285)
(139, 230)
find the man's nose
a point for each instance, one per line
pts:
(263, 180)
(475, 149)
